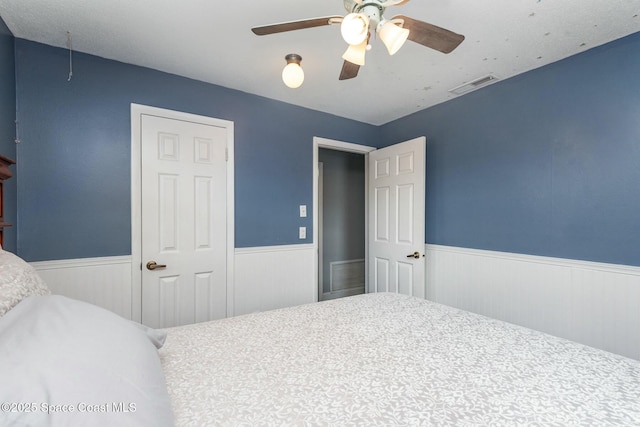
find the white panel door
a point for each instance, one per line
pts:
(183, 222)
(397, 218)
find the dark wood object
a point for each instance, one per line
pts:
(294, 25)
(5, 173)
(430, 35)
(349, 70)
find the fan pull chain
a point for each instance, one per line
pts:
(70, 56)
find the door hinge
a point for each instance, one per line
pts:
(226, 154)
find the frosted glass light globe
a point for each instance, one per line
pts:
(355, 28)
(293, 75)
(392, 35)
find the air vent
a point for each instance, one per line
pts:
(477, 83)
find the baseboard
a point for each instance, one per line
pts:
(596, 304)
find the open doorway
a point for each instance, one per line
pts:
(394, 217)
(341, 225)
(341, 212)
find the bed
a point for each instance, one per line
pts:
(374, 359)
(387, 360)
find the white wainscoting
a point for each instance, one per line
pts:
(105, 282)
(272, 277)
(265, 278)
(592, 303)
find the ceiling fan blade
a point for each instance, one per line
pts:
(430, 35)
(349, 70)
(295, 25)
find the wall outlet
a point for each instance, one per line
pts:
(302, 232)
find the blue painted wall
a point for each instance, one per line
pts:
(8, 128)
(75, 177)
(544, 163)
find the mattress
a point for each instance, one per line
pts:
(387, 360)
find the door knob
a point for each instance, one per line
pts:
(152, 265)
(415, 255)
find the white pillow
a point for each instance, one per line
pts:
(65, 362)
(18, 280)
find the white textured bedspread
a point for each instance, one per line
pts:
(389, 360)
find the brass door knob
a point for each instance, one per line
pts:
(152, 265)
(415, 255)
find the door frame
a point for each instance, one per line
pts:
(332, 144)
(319, 224)
(136, 199)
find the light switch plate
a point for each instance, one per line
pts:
(303, 211)
(302, 232)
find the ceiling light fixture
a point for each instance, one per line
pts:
(365, 18)
(356, 53)
(392, 34)
(355, 28)
(292, 74)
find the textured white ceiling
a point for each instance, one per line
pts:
(211, 41)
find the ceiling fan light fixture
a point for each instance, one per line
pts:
(362, 19)
(355, 28)
(293, 74)
(392, 34)
(356, 53)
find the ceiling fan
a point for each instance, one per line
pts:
(366, 16)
